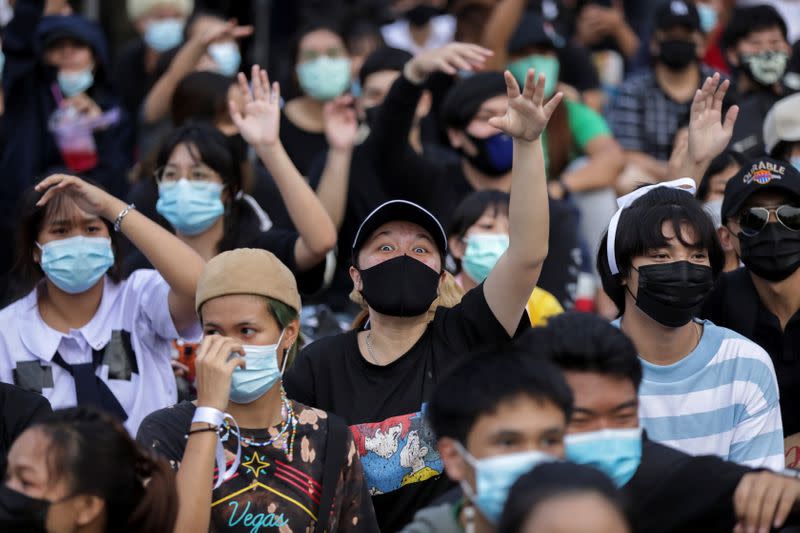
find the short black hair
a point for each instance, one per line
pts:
(472, 208)
(550, 480)
(584, 342)
(639, 230)
(718, 164)
(486, 380)
(747, 20)
(384, 58)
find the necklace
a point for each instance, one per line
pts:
(368, 342)
(288, 430)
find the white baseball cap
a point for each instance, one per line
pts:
(782, 122)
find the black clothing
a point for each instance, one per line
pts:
(19, 409)
(748, 132)
(385, 404)
(132, 79)
(301, 145)
(735, 304)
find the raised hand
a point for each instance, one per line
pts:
(215, 363)
(527, 115)
(341, 126)
(448, 59)
(226, 32)
(91, 199)
(260, 123)
(708, 134)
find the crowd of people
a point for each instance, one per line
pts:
(494, 266)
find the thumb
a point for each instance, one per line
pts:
(498, 122)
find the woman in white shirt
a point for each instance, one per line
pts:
(82, 335)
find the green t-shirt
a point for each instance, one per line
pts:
(585, 125)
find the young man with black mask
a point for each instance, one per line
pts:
(648, 110)
(756, 46)
(761, 210)
(666, 490)
(378, 379)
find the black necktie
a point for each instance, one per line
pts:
(90, 389)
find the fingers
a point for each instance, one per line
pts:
(786, 503)
(772, 497)
(275, 96)
(236, 116)
(53, 185)
(244, 87)
(240, 32)
(498, 122)
(730, 119)
(512, 88)
(751, 502)
(719, 96)
(538, 92)
(259, 89)
(551, 106)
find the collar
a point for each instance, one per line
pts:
(42, 341)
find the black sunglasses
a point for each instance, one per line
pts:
(755, 219)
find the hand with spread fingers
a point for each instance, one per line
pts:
(260, 123)
(709, 135)
(217, 358)
(527, 115)
(230, 30)
(448, 59)
(763, 501)
(341, 126)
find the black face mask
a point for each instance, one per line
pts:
(773, 253)
(495, 154)
(420, 15)
(672, 293)
(371, 115)
(20, 513)
(401, 286)
(677, 54)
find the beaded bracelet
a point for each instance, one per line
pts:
(215, 429)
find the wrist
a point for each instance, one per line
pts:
(112, 208)
(413, 73)
(341, 151)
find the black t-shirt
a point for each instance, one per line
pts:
(301, 145)
(271, 487)
(384, 405)
(748, 132)
(131, 80)
(673, 491)
(19, 409)
(735, 304)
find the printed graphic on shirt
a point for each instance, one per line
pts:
(33, 376)
(119, 356)
(396, 452)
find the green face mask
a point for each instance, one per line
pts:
(542, 64)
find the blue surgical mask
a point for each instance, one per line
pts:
(76, 264)
(260, 375)
(494, 477)
(795, 162)
(324, 78)
(227, 57)
(165, 34)
(72, 83)
(615, 452)
(542, 64)
(190, 206)
(483, 251)
(708, 17)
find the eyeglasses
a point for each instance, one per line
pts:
(755, 219)
(170, 173)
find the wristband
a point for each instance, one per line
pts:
(215, 429)
(122, 214)
(209, 415)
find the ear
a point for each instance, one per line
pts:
(457, 247)
(290, 333)
(455, 137)
(457, 469)
(37, 255)
(355, 275)
(424, 105)
(732, 57)
(727, 239)
(87, 509)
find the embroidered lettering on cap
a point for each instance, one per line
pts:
(764, 172)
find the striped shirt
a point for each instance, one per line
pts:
(721, 399)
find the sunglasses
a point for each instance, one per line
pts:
(755, 219)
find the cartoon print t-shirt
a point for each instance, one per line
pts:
(385, 405)
(271, 491)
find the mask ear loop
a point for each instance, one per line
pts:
(285, 352)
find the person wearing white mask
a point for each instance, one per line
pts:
(81, 335)
(279, 464)
(159, 25)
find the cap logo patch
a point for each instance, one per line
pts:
(764, 172)
(679, 8)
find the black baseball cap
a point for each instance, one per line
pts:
(759, 175)
(677, 13)
(533, 30)
(401, 210)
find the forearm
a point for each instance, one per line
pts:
(499, 29)
(159, 99)
(604, 164)
(195, 483)
(177, 263)
(334, 182)
(528, 217)
(649, 164)
(307, 213)
(627, 40)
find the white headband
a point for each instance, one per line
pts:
(683, 184)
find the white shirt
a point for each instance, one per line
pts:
(132, 327)
(398, 35)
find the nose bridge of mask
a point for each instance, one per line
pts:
(604, 435)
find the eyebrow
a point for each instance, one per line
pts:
(624, 405)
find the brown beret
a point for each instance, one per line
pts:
(247, 271)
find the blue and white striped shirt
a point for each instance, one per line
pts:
(721, 399)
